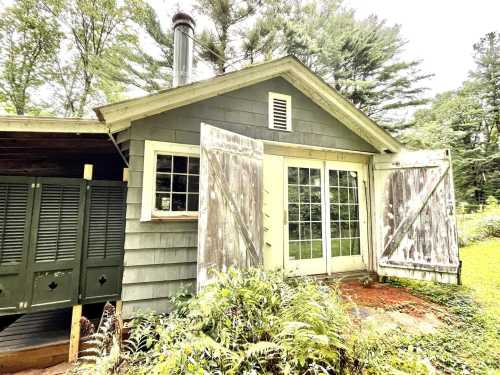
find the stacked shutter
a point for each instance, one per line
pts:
(14, 208)
(58, 228)
(106, 222)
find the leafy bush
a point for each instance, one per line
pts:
(250, 322)
(256, 322)
(490, 227)
(487, 226)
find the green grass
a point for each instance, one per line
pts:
(470, 339)
(481, 273)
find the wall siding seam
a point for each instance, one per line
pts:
(156, 265)
(138, 283)
(175, 248)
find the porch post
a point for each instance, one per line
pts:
(74, 339)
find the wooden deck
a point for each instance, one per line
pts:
(35, 340)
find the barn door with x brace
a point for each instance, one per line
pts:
(415, 222)
(230, 209)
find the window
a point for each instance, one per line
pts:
(177, 179)
(280, 111)
(170, 180)
(344, 213)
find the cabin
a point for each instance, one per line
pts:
(267, 166)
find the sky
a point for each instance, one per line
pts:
(439, 32)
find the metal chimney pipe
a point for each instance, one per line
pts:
(183, 48)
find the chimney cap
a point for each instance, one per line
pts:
(181, 18)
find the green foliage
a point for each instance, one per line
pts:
(468, 342)
(253, 321)
(96, 34)
(490, 227)
(256, 322)
(467, 121)
(29, 40)
(491, 202)
(225, 17)
(478, 226)
(143, 66)
(359, 57)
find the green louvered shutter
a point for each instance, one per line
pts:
(16, 200)
(56, 241)
(105, 233)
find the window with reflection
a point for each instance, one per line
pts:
(304, 213)
(177, 183)
(344, 213)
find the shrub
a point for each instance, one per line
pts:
(257, 322)
(252, 322)
(489, 227)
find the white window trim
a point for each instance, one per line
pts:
(288, 99)
(151, 150)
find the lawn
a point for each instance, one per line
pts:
(481, 272)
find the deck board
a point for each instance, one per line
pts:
(36, 329)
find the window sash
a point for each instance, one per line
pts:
(148, 202)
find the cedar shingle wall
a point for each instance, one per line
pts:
(160, 258)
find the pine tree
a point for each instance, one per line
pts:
(136, 66)
(218, 46)
(466, 121)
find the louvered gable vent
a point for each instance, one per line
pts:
(280, 116)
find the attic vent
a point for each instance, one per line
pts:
(280, 111)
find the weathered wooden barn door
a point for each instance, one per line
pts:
(16, 207)
(56, 242)
(102, 261)
(230, 209)
(415, 220)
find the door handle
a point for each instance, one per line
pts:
(52, 285)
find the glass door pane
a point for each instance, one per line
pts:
(344, 213)
(304, 213)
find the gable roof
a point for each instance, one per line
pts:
(118, 116)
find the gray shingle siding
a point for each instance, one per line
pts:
(160, 257)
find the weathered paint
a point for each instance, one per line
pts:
(160, 257)
(230, 212)
(415, 215)
(167, 249)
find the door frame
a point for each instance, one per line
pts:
(351, 262)
(328, 264)
(309, 266)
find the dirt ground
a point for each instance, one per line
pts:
(384, 307)
(387, 297)
(59, 369)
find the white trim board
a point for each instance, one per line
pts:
(288, 68)
(52, 125)
(151, 150)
